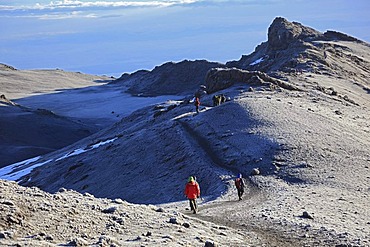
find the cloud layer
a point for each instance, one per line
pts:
(72, 4)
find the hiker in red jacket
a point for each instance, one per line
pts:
(192, 192)
(239, 184)
(197, 104)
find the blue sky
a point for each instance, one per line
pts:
(113, 37)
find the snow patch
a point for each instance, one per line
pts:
(80, 150)
(10, 168)
(17, 175)
(257, 61)
(73, 153)
(103, 143)
(15, 171)
(20, 169)
(182, 116)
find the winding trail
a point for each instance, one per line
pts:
(225, 212)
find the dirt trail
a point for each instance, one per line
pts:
(224, 212)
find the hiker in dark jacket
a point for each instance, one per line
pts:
(192, 192)
(239, 184)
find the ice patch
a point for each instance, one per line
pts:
(20, 169)
(17, 175)
(80, 150)
(257, 61)
(10, 168)
(187, 114)
(103, 143)
(15, 171)
(73, 153)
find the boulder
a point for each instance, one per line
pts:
(256, 171)
(209, 243)
(222, 78)
(306, 215)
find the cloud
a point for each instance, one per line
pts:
(73, 4)
(68, 9)
(60, 16)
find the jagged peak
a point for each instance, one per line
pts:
(283, 32)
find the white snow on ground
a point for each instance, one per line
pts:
(10, 168)
(83, 150)
(257, 61)
(73, 153)
(19, 169)
(105, 104)
(16, 171)
(102, 143)
(17, 175)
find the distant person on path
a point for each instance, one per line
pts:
(192, 192)
(197, 104)
(239, 184)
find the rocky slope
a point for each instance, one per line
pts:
(31, 217)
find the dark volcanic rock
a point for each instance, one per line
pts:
(282, 33)
(170, 78)
(218, 79)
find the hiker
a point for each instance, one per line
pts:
(239, 184)
(197, 104)
(216, 100)
(223, 98)
(192, 192)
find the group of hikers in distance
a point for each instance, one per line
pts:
(192, 191)
(217, 99)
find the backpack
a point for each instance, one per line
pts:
(239, 183)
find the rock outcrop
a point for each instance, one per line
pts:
(218, 79)
(282, 33)
(6, 101)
